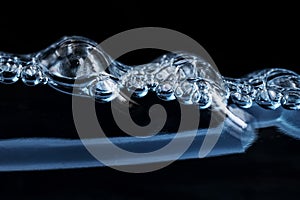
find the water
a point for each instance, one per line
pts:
(78, 66)
(77, 62)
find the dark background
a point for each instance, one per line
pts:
(240, 39)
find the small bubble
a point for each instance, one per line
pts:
(9, 70)
(31, 75)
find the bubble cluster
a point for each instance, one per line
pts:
(78, 66)
(269, 88)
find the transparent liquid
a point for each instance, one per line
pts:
(78, 66)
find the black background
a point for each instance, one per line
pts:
(240, 39)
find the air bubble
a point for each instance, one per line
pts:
(31, 75)
(9, 69)
(105, 89)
